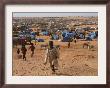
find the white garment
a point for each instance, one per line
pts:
(52, 57)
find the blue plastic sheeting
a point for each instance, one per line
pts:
(92, 35)
(55, 37)
(88, 38)
(67, 34)
(32, 37)
(45, 33)
(33, 33)
(40, 40)
(64, 34)
(81, 36)
(67, 39)
(71, 35)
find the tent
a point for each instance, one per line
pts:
(67, 36)
(81, 36)
(33, 33)
(32, 37)
(45, 33)
(55, 37)
(67, 39)
(88, 38)
(92, 35)
(40, 40)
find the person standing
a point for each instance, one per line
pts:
(18, 53)
(52, 55)
(32, 47)
(24, 50)
(68, 44)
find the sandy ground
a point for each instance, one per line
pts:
(73, 61)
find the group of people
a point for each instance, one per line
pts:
(51, 56)
(24, 51)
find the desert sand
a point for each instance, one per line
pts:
(73, 61)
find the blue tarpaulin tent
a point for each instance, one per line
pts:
(55, 37)
(67, 36)
(33, 33)
(88, 38)
(92, 35)
(45, 33)
(32, 37)
(40, 40)
(81, 36)
(67, 39)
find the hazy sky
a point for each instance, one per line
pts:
(55, 14)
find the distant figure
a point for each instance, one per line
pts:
(75, 40)
(87, 45)
(24, 50)
(68, 44)
(18, 51)
(32, 47)
(52, 55)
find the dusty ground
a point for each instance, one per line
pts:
(74, 61)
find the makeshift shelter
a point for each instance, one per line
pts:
(64, 33)
(33, 33)
(32, 37)
(40, 40)
(92, 35)
(67, 39)
(81, 36)
(88, 38)
(45, 33)
(55, 37)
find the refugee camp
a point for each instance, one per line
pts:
(55, 45)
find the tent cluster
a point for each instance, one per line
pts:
(92, 35)
(23, 36)
(67, 36)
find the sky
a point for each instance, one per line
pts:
(53, 14)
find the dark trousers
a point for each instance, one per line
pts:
(24, 56)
